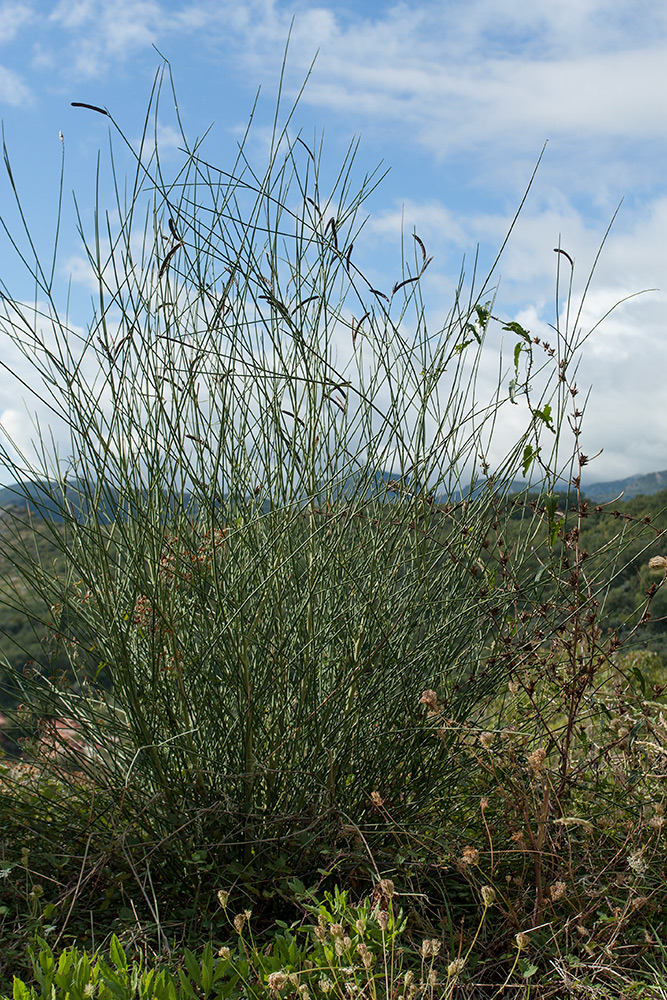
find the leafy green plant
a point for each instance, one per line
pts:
(348, 950)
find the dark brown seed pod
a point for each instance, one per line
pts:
(120, 344)
(379, 294)
(310, 154)
(293, 416)
(276, 305)
(347, 257)
(165, 262)
(304, 302)
(105, 348)
(199, 441)
(400, 284)
(566, 255)
(355, 328)
(332, 223)
(172, 228)
(423, 248)
(91, 107)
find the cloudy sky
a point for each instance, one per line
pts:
(456, 97)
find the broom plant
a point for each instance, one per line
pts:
(279, 513)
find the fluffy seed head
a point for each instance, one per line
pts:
(558, 890)
(386, 887)
(430, 699)
(276, 981)
(536, 760)
(488, 895)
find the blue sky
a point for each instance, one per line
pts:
(456, 98)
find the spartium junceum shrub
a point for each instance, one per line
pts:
(281, 512)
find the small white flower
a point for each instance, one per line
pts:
(637, 862)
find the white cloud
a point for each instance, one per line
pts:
(479, 79)
(81, 272)
(73, 13)
(102, 33)
(624, 359)
(168, 138)
(13, 90)
(12, 18)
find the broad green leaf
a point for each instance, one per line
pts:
(21, 991)
(545, 416)
(514, 327)
(192, 965)
(117, 954)
(529, 456)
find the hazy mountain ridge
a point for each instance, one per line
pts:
(632, 486)
(49, 500)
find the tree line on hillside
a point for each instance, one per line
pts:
(637, 530)
(29, 638)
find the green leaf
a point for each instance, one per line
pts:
(163, 987)
(545, 416)
(192, 965)
(207, 970)
(514, 327)
(529, 456)
(640, 677)
(483, 314)
(21, 991)
(634, 733)
(186, 988)
(117, 954)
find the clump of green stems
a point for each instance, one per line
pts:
(272, 512)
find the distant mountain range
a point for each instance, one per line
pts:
(48, 501)
(633, 486)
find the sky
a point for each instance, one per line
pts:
(455, 98)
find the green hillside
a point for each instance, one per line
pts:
(636, 526)
(634, 531)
